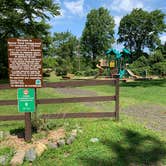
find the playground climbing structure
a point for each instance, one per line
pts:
(115, 62)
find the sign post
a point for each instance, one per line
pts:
(25, 73)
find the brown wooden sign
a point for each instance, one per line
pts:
(25, 63)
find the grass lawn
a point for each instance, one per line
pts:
(126, 142)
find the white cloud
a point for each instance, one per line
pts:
(75, 7)
(117, 20)
(163, 39)
(125, 5)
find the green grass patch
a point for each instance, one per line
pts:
(120, 143)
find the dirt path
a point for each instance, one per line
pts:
(153, 116)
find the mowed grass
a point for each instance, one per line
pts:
(120, 143)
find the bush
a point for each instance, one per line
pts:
(140, 62)
(79, 73)
(88, 72)
(91, 72)
(159, 68)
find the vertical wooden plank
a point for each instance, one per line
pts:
(117, 99)
(35, 113)
(28, 131)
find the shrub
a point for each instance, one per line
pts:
(159, 68)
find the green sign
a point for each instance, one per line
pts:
(26, 99)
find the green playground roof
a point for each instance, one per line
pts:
(114, 52)
(126, 51)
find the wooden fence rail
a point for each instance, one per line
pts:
(114, 82)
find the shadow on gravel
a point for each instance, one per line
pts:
(133, 149)
(145, 83)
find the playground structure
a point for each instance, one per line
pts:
(115, 63)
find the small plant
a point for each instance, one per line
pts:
(38, 124)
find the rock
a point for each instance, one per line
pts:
(74, 133)
(18, 158)
(30, 154)
(40, 148)
(1, 134)
(61, 142)
(3, 160)
(94, 140)
(52, 145)
(56, 135)
(6, 134)
(70, 140)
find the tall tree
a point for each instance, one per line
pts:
(65, 50)
(24, 18)
(141, 29)
(98, 33)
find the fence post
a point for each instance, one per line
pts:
(28, 131)
(117, 99)
(35, 113)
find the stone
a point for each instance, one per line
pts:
(52, 145)
(56, 135)
(94, 140)
(6, 134)
(1, 134)
(30, 154)
(61, 142)
(3, 159)
(70, 140)
(18, 158)
(74, 132)
(40, 148)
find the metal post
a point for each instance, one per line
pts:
(117, 99)
(28, 131)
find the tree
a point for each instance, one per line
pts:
(24, 18)
(141, 29)
(65, 50)
(98, 33)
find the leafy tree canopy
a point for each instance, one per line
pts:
(24, 18)
(64, 48)
(98, 32)
(141, 29)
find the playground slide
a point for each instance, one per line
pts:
(132, 74)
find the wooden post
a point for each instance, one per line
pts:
(35, 118)
(117, 99)
(28, 131)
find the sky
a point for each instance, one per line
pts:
(74, 12)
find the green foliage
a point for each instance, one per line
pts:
(156, 57)
(65, 46)
(141, 29)
(98, 33)
(140, 62)
(159, 68)
(88, 72)
(49, 62)
(25, 19)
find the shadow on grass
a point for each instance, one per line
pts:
(133, 149)
(145, 83)
(20, 132)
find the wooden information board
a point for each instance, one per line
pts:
(25, 63)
